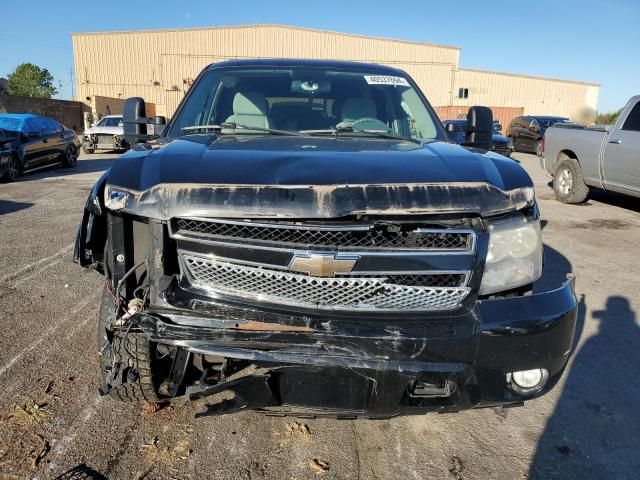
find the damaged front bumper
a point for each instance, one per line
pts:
(376, 369)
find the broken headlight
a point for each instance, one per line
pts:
(115, 199)
(514, 257)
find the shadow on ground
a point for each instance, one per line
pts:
(81, 472)
(8, 206)
(594, 429)
(89, 165)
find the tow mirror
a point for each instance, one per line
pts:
(138, 128)
(479, 128)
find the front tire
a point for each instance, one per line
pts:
(131, 354)
(13, 170)
(70, 157)
(568, 182)
(513, 143)
(88, 150)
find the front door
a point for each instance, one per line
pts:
(36, 145)
(621, 161)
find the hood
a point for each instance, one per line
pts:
(104, 131)
(314, 177)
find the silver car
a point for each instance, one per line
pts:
(608, 157)
(107, 134)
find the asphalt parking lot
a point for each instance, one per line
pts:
(52, 419)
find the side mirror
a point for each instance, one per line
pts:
(137, 127)
(451, 128)
(479, 128)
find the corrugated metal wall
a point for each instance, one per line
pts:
(503, 114)
(537, 96)
(158, 64)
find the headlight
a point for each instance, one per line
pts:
(514, 257)
(115, 199)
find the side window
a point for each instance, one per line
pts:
(633, 120)
(32, 125)
(534, 125)
(50, 126)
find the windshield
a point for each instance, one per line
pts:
(110, 122)
(310, 100)
(547, 122)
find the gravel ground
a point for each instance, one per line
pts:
(53, 423)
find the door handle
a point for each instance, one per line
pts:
(616, 142)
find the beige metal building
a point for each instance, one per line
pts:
(159, 66)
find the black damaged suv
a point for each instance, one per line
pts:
(304, 235)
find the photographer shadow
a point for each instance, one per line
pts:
(594, 431)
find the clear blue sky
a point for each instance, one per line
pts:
(587, 40)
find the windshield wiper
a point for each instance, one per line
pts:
(273, 131)
(201, 127)
(376, 133)
(234, 126)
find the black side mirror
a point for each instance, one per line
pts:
(479, 128)
(137, 127)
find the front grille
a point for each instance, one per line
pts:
(375, 236)
(103, 139)
(343, 293)
(500, 148)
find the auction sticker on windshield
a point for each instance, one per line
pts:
(386, 80)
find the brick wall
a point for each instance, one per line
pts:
(67, 112)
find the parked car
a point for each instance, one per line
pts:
(527, 132)
(107, 134)
(356, 264)
(457, 132)
(31, 141)
(580, 158)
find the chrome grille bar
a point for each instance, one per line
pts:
(343, 293)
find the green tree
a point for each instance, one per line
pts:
(29, 80)
(607, 118)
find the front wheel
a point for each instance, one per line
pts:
(88, 150)
(70, 157)
(128, 364)
(13, 169)
(568, 182)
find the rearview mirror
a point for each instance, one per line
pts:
(479, 128)
(137, 127)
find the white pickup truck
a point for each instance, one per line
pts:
(579, 158)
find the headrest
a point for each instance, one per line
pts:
(355, 108)
(249, 103)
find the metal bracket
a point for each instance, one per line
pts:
(251, 392)
(178, 369)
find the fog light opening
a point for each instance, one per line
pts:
(527, 382)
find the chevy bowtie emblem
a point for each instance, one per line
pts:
(322, 264)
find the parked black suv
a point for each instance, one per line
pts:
(304, 235)
(527, 132)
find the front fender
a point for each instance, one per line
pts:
(92, 231)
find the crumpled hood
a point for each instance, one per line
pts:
(315, 177)
(104, 131)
